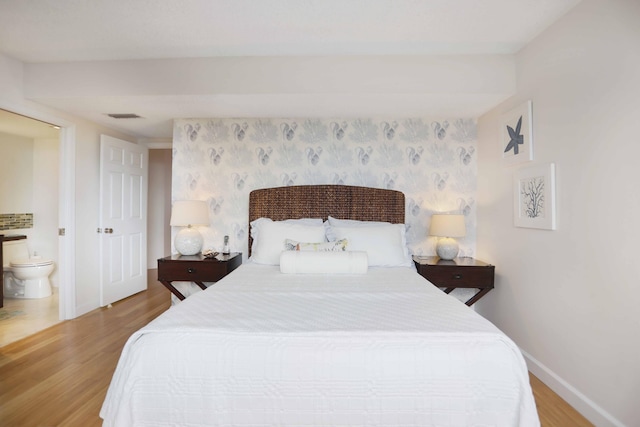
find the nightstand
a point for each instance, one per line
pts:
(457, 273)
(195, 268)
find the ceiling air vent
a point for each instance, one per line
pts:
(124, 116)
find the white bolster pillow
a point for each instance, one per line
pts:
(304, 262)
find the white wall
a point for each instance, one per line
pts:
(45, 200)
(569, 297)
(16, 174)
(159, 207)
(11, 79)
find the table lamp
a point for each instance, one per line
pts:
(446, 227)
(189, 214)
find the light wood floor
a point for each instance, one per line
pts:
(59, 377)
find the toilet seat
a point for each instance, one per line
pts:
(26, 263)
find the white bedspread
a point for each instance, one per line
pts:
(261, 348)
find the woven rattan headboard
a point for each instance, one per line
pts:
(320, 201)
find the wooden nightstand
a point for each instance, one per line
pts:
(195, 268)
(457, 273)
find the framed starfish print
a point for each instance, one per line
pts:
(516, 136)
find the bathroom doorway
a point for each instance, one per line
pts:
(30, 170)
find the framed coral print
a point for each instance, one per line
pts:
(516, 136)
(534, 194)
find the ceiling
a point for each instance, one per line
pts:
(76, 32)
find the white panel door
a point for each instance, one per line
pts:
(123, 219)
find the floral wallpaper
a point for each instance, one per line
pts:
(432, 161)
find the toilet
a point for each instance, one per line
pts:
(24, 276)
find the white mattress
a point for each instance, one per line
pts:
(263, 348)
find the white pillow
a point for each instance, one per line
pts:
(386, 245)
(256, 226)
(353, 222)
(301, 262)
(335, 222)
(335, 246)
(272, 235)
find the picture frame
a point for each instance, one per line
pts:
(534, 195)
(516, 134)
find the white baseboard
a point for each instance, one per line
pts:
(588, 408)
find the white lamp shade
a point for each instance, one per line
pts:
(447, 226)
(189, 212)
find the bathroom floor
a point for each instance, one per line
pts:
(22, 317)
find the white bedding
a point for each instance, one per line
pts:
(263, 348)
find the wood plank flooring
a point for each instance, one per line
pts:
(59, 376)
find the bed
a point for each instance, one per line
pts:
(379, 347)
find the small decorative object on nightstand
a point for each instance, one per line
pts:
(225, 245)
(446, 227)
(457, 273)
(195, 268)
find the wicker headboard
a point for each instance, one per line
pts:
(320, 201)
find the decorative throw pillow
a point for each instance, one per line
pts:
(336, 246)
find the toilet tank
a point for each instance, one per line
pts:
(14, 250)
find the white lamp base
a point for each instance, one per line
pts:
(447, 248)
(188, 241)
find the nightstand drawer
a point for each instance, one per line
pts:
(193, 271)
(196, 269)
(472, 277)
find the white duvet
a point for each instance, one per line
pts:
(262, 348)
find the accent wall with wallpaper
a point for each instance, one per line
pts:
(433, 161)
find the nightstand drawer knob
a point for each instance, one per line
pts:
(457, 276)
(191, 270)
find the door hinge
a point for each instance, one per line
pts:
(61, 231)
(99, 230)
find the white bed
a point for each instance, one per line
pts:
(263, 348)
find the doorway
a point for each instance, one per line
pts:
(47, 186)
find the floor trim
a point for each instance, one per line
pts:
(587, 407)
